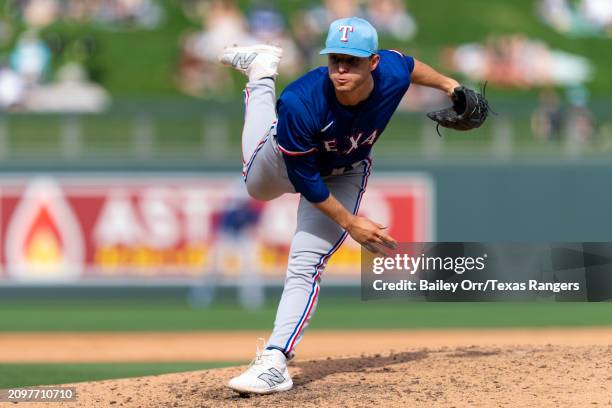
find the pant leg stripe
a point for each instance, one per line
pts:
(322, 262)
(312, 297)
(364, 183)
(247, 167)
(247, 96)
(307, 311)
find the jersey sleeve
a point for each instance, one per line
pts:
(410, 61)
(406, 59)
(294, 129)
(295, 132)
(306, 178)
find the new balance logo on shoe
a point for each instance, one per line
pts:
(255, 61)
(272, 378)
(243, 60)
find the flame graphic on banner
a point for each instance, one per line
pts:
(43, 245)
(44, 240)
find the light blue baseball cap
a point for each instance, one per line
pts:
(353, 36)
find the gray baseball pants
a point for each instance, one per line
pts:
(317, 237)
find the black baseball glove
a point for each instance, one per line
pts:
(469, 111)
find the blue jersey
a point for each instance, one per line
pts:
(317, 134)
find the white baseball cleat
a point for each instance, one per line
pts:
(255, 61)
(267, 374)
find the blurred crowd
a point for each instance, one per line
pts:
(42, 66)
(560, 118)
(42, 70)
(108, 13)
(516, 61)
(586, 18)
(28, 81)
(224, 23)
(52, 72)
(510, 61)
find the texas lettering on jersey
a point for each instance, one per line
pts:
(355, 142)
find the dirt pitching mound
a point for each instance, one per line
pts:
(478, 376)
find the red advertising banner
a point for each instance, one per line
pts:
(156, 227)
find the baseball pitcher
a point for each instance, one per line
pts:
(316, 140)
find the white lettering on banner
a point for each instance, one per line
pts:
(198, 212)
(117, 223)
(160, 218)
(155, 218)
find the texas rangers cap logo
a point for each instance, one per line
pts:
(351, 36)
(345, 30)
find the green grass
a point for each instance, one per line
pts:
(21, 375)
(331, 314)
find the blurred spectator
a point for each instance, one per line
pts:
(557, 13)
(234, 251)
(80, 10)
(199, 70)
(81, 48)
(72, 92)
(12, 88)
(40, 13)
(547, 120)
(137, 13)
(517, 61)
(552, 120)
(598, 12)
(586, 19)
(110, 13)
(31, 58)
(267, 25)
(580, 121)
(223, 24)
(307, 41)
(197, 76)
(319, 17)
(390, 17)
